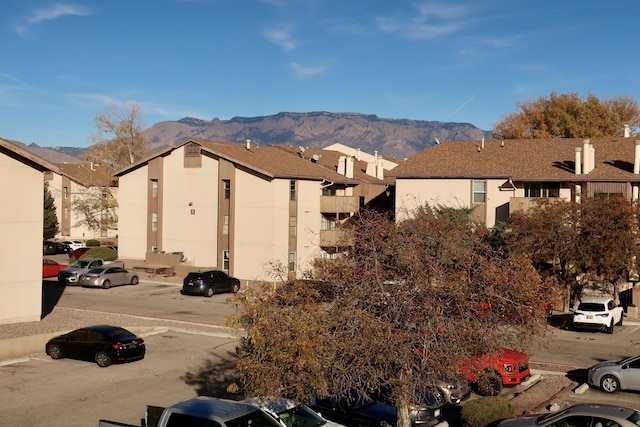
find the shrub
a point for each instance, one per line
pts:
(481, 412)
(92, 242)
(103, 252)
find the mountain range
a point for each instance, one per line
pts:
(395, 138)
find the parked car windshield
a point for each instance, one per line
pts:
(254, 419)
(80, 263)
(591, 306)
(301, 416)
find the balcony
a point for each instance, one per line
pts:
(339, 204)
(335, 238)
(524, 203)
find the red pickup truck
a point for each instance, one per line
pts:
(490, 372)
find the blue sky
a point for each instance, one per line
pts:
(62, 63)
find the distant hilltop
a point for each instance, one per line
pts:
(396, 138)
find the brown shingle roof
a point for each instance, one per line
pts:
(329, 159)
(87, 174)
(268, 160)
(541, 159)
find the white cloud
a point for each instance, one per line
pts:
(54, 12)
(282, 37)
(430, 20)
(300, 72)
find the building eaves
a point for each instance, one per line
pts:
(25, 156)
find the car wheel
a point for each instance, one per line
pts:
(610, 328)
(488, 383)
(620, 322)
(235, 288)
(208, 292)
(102, 359)
(610, 384)
(134, 280)
(55, 352)
(106, 284)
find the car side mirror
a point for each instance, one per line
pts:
(625, 366)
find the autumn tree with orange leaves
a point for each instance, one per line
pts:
(569, 116)
(402, 307)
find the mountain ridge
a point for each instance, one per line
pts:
(396, 138)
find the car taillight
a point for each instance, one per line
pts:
(603, 315)
(119, 346)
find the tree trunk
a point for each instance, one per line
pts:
(404, 419)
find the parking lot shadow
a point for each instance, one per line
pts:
(561, 320)
(578, 375)
(217, 377)
(51, 293)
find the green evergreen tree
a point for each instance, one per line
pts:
(50, 223)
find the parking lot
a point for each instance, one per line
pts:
(190, 353)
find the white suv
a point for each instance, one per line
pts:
(73, 244)
(599, 313)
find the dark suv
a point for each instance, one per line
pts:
(208, 283)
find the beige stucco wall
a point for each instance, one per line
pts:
(194, 234)
(261, 224)
(411, 193)
(132, 214)
(309, 220)
(21, 219)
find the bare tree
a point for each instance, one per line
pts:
(119, 139)
(403, 306)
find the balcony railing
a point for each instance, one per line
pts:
(335, 238)
(339, 204)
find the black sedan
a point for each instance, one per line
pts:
(101, 344)
(208, 283)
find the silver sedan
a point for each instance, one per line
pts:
(105, 277)
(616, 375)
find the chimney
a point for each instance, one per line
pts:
(349, 162)
(627, 133)
(482, 143)
(578, 160)
(248, 144)
(342, 165)
(636, 159)
(588, 155)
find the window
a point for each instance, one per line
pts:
(225, 225)
(227, 188)
(479, 191)
(292, 226)
(154, 222)
(154, 188)
(65, 192)
(225, 260)
(293, 190)
(292, 261)
(541, 189)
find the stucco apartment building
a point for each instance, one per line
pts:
(497, 177)
(84, 180)
(21, 223)
(239, 207)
